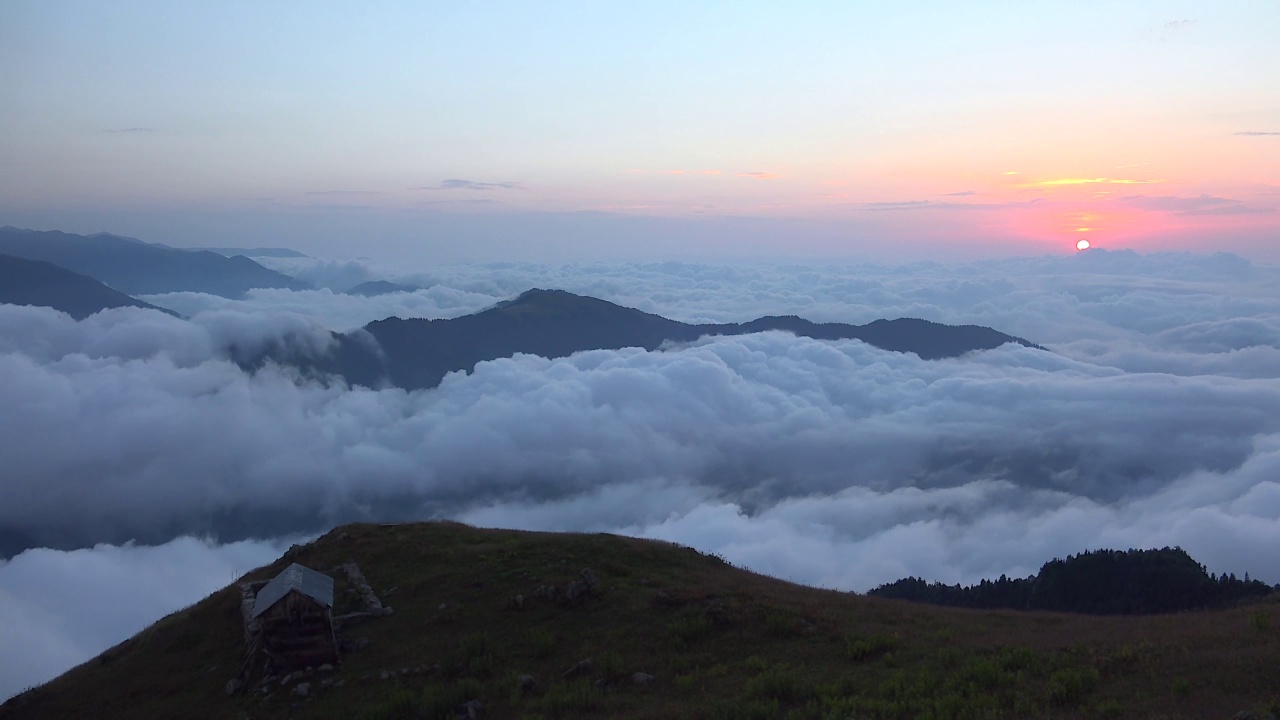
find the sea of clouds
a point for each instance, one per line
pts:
(1152, 419)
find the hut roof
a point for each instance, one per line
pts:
(315, 585)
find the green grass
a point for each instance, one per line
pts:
(722, 642)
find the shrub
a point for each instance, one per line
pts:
(1109, 710)
(779, 683)
(1070, 686)
(1019, 659)
(687, 629)
(398, 705)
(780, 624)
(611, 664)
(540, 641)
(571, 700)
(979, 676)
(440, 702)
(862, 648)
(476, 656)
(747, 709)
(1261, 621)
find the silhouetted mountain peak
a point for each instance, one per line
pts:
(563, 304)
(373, 288)
(556, 323)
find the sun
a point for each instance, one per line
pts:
(1082, 245)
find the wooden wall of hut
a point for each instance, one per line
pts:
(297, 632)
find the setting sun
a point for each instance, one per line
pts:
(1082, 245)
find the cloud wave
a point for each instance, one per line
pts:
(1155, 421)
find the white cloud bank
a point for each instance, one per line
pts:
(1156, 422)
(1171, 312)
(62, 608)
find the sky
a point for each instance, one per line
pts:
(709, 162)
(552, 132)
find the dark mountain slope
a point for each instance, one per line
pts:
(713, 641)
(549, 323)
(555, 323)
(137, 268)
(32, 282)
(373, 288)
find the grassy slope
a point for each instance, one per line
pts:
(723, 643)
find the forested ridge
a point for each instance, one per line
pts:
(1100, 582)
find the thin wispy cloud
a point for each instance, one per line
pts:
(1199, 205)
(1063, 182)
(1163, 31)
(130, 130)
(1257, 133)
(903, 205)
(459, 201)
(460, 184)
(759, 175)
(962, 193)
(1232, 210)
(942, 205)
(677, 171)
(332, 193)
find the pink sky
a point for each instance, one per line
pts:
(983, 128)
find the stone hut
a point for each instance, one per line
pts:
(294, 615)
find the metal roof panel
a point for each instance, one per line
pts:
(315, 585)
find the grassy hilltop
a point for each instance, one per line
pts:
(718, 641)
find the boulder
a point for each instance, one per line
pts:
(233, 686)
(301, 689)
(642, 678)
(527, 684)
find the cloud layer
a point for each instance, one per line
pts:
(1155, 421)
(1129, 311)
(43, 595)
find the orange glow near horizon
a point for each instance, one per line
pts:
(1087, 222)
(1060, 182)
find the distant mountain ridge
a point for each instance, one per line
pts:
(134, 267)
(374, 288)
(34, 282)
(1101, 582)
(274, 252)
(417, 354)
